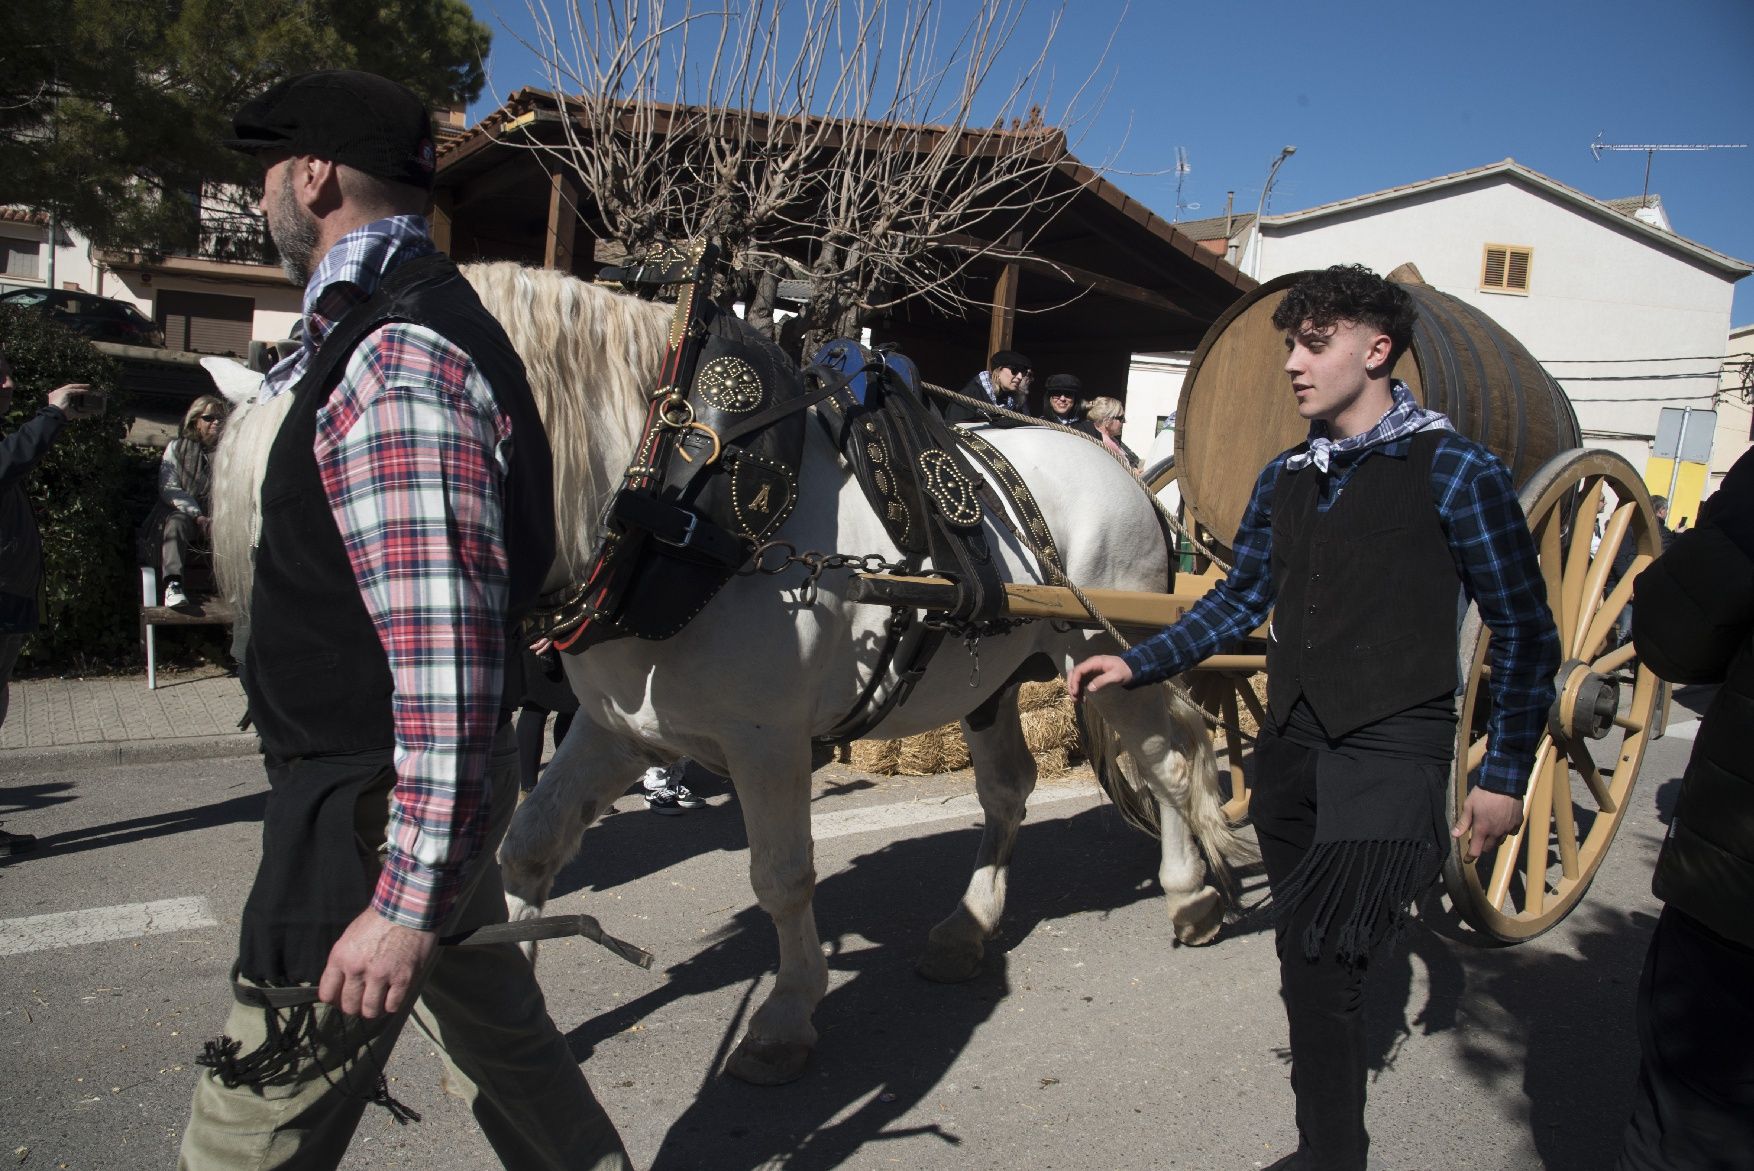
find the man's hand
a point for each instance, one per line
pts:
(1097, 672)
(77, 400)
(1487, 818)
(373, 964)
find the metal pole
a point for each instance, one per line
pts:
(1260, 208)
(1675, 464)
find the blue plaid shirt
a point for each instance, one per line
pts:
(1495, 560)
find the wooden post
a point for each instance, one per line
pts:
(443, 202)
(563, 221)
(1005, 302)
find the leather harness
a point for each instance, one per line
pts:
(715, 475)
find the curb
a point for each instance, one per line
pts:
(109, 754)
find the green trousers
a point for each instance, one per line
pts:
(480, 1007)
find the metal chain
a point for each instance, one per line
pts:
(815, 562)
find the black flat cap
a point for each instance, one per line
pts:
(360, 120)
(1010, 359)
(1065, 384)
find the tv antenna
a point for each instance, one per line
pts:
(1650, 151)
(1182, 170)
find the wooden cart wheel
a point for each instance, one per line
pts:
(1588, 759)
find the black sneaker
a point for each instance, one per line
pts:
(664, 801)
(685, 797)
(11, 844)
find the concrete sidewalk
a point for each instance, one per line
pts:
(58, 724)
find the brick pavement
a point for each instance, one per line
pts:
(118, 718)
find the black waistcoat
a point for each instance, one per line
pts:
(1364, 625)
(316, 674)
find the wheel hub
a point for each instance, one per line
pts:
(1585, 704)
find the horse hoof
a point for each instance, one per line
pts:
(1198, 918)
(768, 1063)
(947, 966)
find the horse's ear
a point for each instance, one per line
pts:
(236, 381)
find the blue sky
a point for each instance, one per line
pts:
(1374, 95)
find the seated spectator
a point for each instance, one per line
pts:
(185, 492)
(1107, 415)
(1063, 407)
(1004, 383)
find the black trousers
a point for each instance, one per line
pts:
(1324, 998)
(1694, 1107)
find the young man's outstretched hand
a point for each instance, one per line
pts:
(1097, 672)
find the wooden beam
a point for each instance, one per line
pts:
(1073, 275)
(1004, 321)
(563, 221)
(442, 205)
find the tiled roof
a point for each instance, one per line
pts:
(1633, 202)
(22, 215)
(1212, 227)
(1510, 168)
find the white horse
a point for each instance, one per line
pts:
(746, 686)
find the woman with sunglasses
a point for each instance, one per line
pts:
(185, 491)
(1107, 415)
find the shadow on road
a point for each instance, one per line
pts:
(887, 1037)
(135, 829)
(1557, 1021)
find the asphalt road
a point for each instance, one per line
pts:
(1090, 1039)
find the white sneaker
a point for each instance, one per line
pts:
(174, 597)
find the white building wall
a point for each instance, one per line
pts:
(277, 303)
(1735, 417)
(1597, 291)
(1154, 387)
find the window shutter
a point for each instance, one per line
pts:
(1494, 278)
(1504, 268)
(1517, 270)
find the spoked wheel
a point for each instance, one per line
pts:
(1588, 759)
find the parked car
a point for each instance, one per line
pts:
(102, 319)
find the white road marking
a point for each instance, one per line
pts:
(102, 925)
(108, 924)
(1685, 730)
(904, 813)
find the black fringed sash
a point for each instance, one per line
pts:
(1381, 827)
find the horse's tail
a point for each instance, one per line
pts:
(1199, 800)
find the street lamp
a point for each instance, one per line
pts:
(1285, 152)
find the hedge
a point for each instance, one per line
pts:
(89, 493)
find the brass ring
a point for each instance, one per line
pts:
(676, 411)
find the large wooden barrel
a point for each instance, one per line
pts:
(1237, 411)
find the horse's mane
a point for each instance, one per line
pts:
(592, 357)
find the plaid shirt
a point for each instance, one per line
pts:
(411, 450)
(1494, 557)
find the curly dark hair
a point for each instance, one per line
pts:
(1350, 293)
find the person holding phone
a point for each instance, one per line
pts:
(21, 545)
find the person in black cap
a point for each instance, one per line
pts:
(1062, 405)
(409, 525)
(1004, 383)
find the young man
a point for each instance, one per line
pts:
(1357, 540)
(407, 523)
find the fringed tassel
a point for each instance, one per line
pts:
(1384, 877)
(278, 1054)
(287, 1044)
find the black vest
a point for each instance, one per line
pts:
(316, 674)
(1364, 625)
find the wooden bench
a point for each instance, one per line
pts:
(202, 611)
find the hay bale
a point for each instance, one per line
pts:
(879, 757)
(1050, 729)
